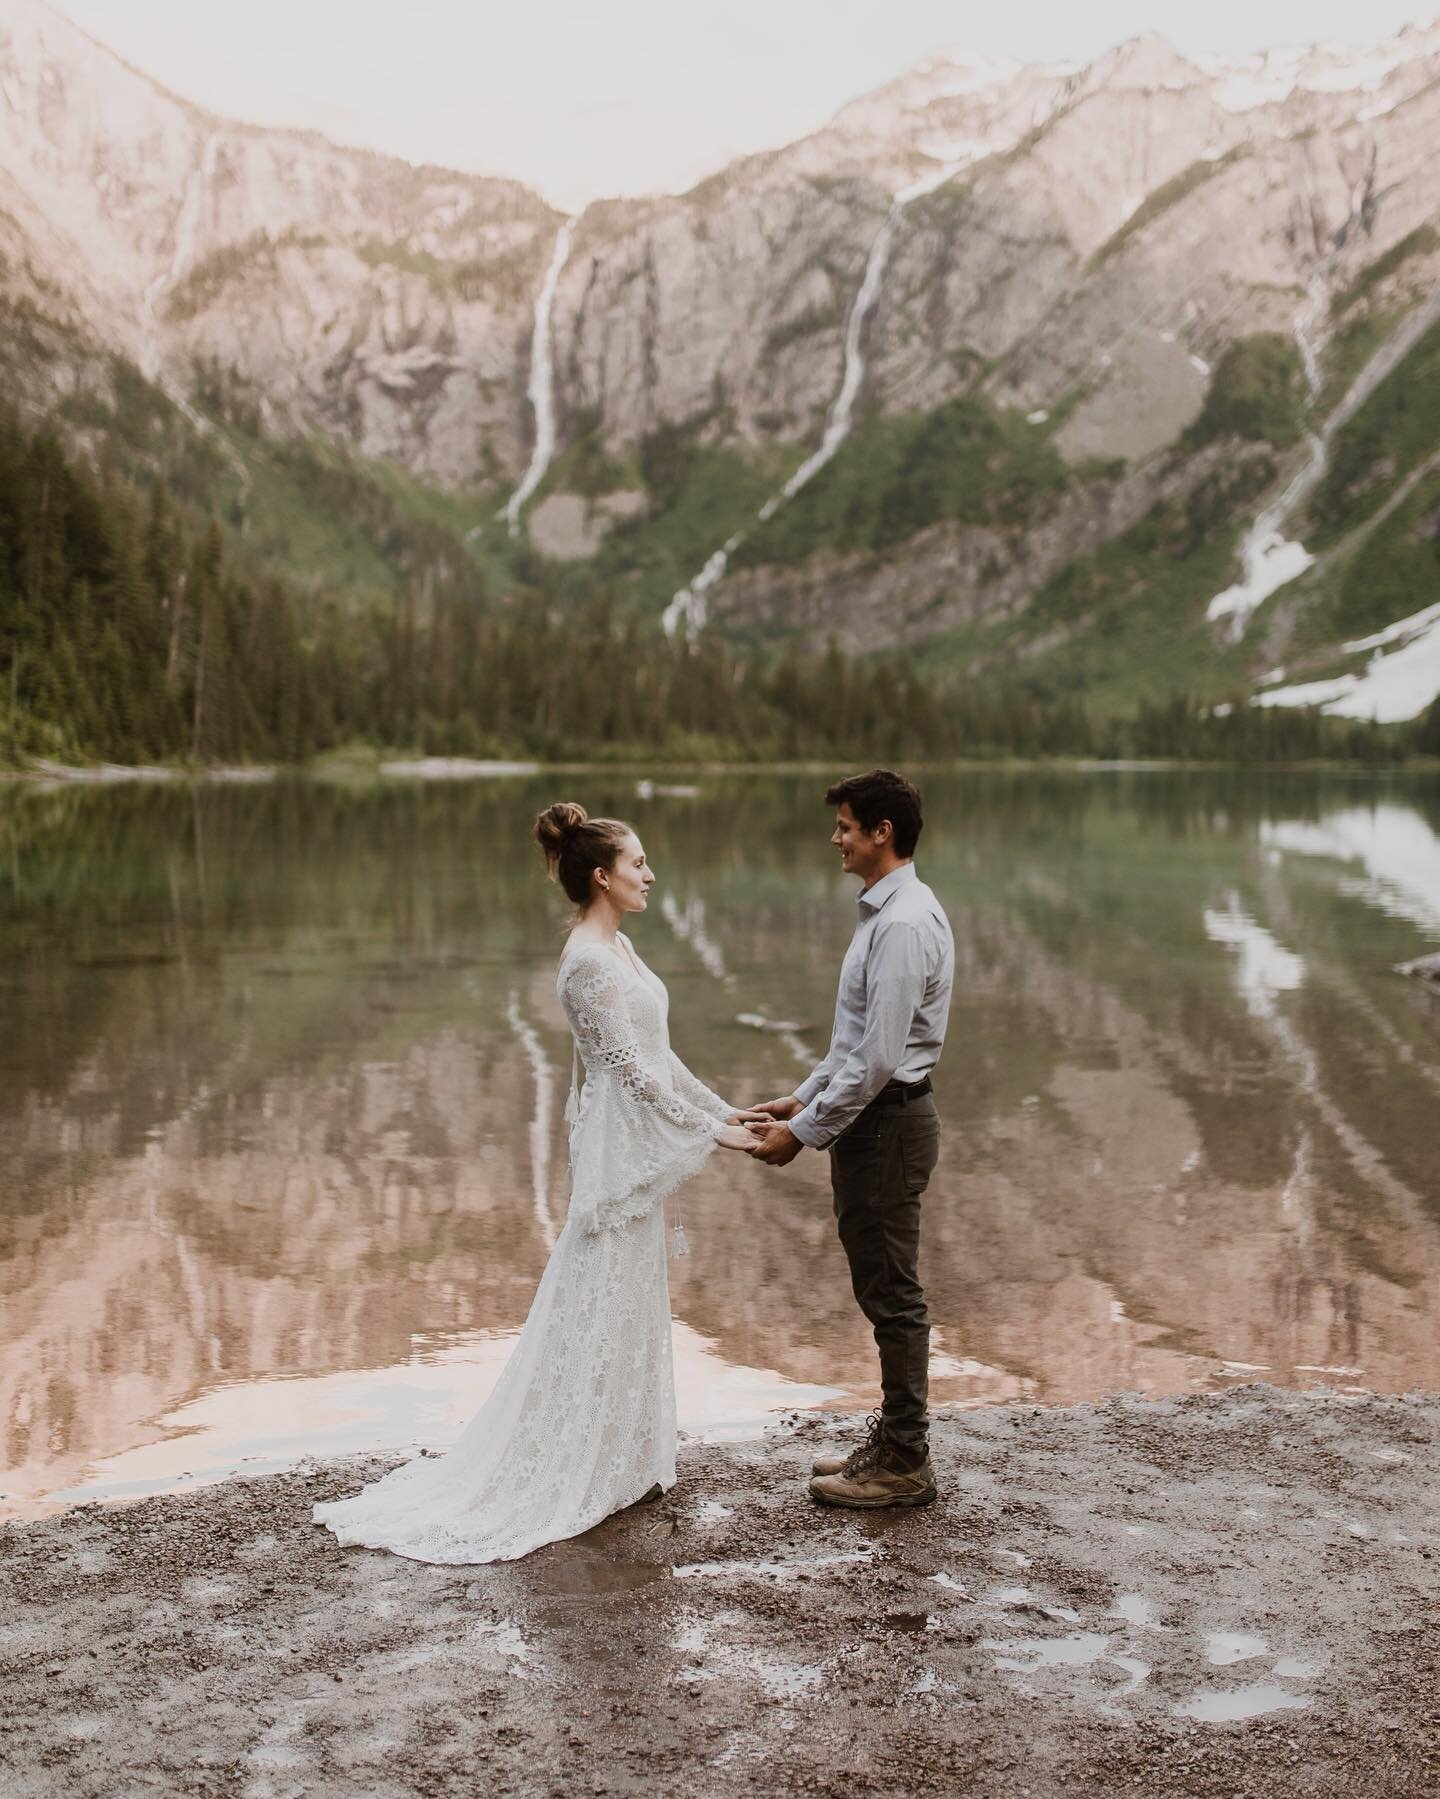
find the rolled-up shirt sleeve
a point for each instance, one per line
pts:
(895, 976)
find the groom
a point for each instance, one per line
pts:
(869, 1104)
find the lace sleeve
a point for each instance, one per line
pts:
(695, 1090)
(594, 1001)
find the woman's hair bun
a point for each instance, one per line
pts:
(575, 845)
(556, 824)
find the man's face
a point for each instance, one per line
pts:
(861, 851)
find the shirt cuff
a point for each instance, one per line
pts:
(804, 1128)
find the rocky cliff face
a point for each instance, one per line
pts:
(1106, 229)
(1073, 246)
(353, 293)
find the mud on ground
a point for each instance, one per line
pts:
(1227, 1595)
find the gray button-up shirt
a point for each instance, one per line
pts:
(892, 1007)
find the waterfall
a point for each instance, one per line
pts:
(187, 226)
(842, 411)
(198, 182)
(541, 390)
(690, 607)
(1268, 559)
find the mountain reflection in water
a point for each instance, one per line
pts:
(282, 1077)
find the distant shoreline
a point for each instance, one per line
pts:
(463, 768)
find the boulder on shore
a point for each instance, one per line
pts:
(1424, 968)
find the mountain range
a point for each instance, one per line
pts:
(1097, 380)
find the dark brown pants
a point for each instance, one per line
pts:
(878, 1170)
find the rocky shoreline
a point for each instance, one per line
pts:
(1232, 1594)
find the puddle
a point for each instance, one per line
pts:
(577, 1574)
(208, 1592)
(1134, 1608)
(1355, 1530)
(1027, 1655)
(1244, 1702)
(709, 1654)
(1137, 1670)
(505, 1639)
(771, 1570)
(1028, 1596)
(913, 1624)
(783, 1680)
(950, 1584)
(1082, 1649)
(1225, 1646)
(1296, 1667)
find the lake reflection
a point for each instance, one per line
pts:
(282, 1074)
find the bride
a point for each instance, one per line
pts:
(582, 1420)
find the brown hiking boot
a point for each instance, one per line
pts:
(841, 1464)
(878, 1479)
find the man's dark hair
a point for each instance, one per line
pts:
(878, 795)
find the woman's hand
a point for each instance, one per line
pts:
(735, 1136)
(747, 1115)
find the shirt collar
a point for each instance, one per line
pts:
(871, 899)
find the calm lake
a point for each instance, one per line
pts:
(282, 1076)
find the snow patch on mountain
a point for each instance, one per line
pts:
(976, 75)
(1248, 83)
(1391, 689)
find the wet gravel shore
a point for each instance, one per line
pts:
(1228, 1595)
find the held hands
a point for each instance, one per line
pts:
(771, 1139)
(735, 1136)
(760, 1132)
(773, 1142)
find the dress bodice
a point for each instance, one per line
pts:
(645, 1122)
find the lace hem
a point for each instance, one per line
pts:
(448, 1548)
(580, 1423)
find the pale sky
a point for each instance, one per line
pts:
(631, 96)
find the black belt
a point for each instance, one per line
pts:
(897, 1093)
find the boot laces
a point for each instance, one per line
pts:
(865, 1455)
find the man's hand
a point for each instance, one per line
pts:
(779, 1108)
(774, 1143)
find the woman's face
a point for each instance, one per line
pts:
(630, 878)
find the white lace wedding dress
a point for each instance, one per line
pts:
(582, 1420)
